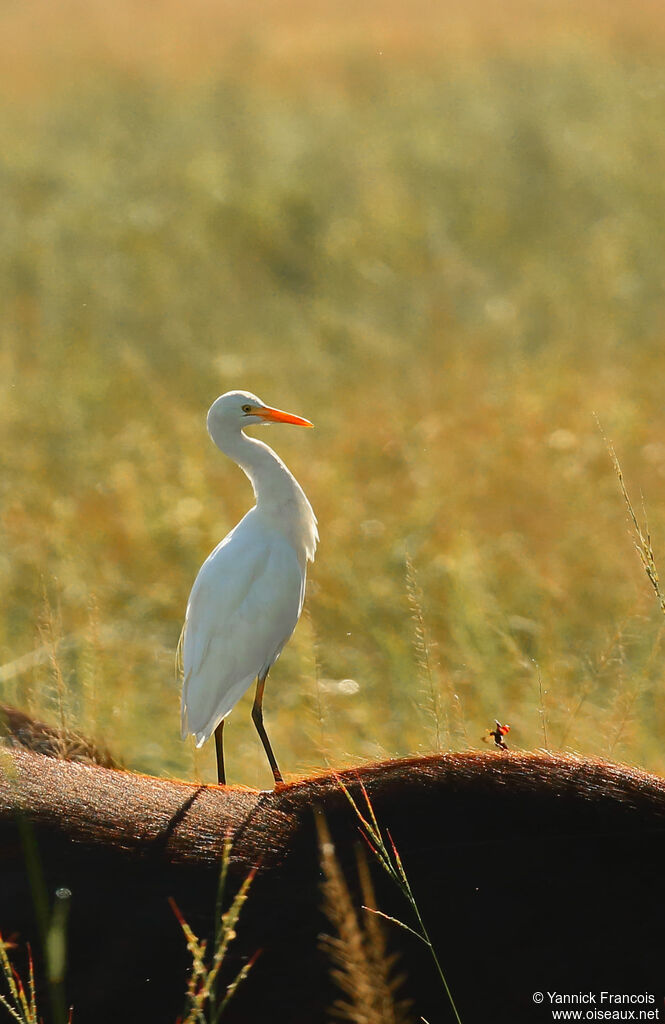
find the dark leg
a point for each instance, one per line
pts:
(219, 747)
(257, 717)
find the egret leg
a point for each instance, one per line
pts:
(219, 747)
(257, 717)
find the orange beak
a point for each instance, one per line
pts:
(277, 416)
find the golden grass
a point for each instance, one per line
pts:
(448, 264)
(298, 42)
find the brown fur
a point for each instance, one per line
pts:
(532, 870)
(20, 730)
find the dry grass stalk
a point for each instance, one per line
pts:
(612, 654)
(623, 707)
(50, 631)
(315, 672)
(423, 649)
(21, 1004)
(383, 962)
(90, 661)
(642, 539)
(541, 706)
(389, 858)
(60, 740)
(203, 1006)
(361, 967)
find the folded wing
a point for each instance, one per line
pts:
(243, 608)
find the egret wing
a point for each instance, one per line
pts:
(244, 605)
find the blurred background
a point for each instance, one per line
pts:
(436, 230)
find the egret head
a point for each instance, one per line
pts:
(240, 409)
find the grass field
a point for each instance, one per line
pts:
(441, 237)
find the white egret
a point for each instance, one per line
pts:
(248, 595)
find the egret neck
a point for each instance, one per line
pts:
(278, 494)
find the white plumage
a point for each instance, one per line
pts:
(243, 608)
(249, 592)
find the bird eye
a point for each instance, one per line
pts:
(246, 408)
